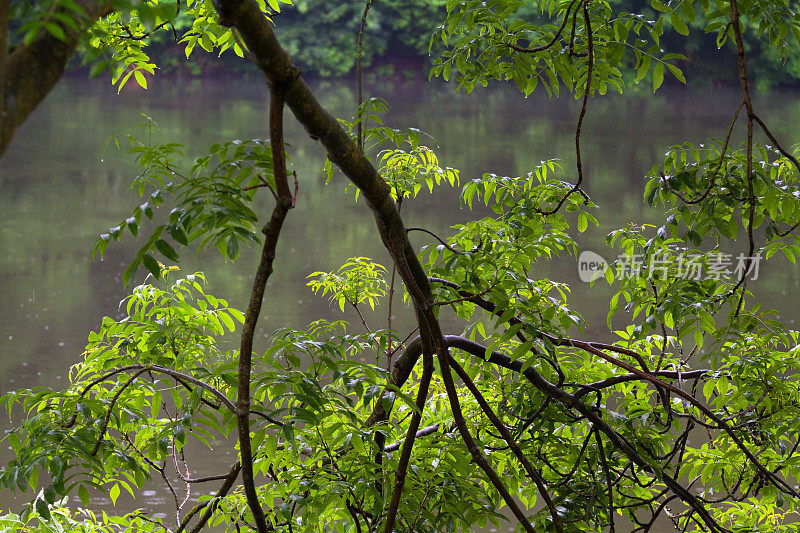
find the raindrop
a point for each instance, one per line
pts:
(61, 344)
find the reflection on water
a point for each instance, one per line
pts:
(60, 186)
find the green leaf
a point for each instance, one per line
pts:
(33, 480)
(83, 494)
(140, 79)
(583, 221)
(50, 494)
(177, 233)
(133, 225)
(227, 320)
(232, 249)
(658, 75)
(43, 509)
(659, 6)
(114, 494)
(643, 68)
(98, 68)
(676, 72)
(152, 265)
(679, 24)
(130, 271)
(55, 30)
(167, 250)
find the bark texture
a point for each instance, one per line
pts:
(29, 72)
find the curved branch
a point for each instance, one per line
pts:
(443, 355)
(602, 455)
(624, 378)
(751, 196)
(552, 41)
(572, 402)
(432, 234)
(107, 418)
(716, 170)
(588, 89)
(408, 441)
(535, 476)
(272, 233)
(772, 138)
(596, 349)
(428, 430)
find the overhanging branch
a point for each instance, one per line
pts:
(30, 71)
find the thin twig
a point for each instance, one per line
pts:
(110, 410)
(715, 173)
(432, 234)
(358, 73)
(774, 141)
(552, 41)
(587, 91)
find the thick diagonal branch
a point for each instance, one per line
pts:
(31, 71)
(273, 60)
(570, 401)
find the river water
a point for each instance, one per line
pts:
(60, 186)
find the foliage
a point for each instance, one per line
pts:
(689, 413)
(393, 28)
(357, 281)
(213, 199)
(57, 518)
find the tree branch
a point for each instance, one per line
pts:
(535, 476)
(272, 233)
(110, 409)
(359, 45)
(528, 50)
(408, 441)
(210, 505)
(31, 71)
(572, 402)
(587, 91)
